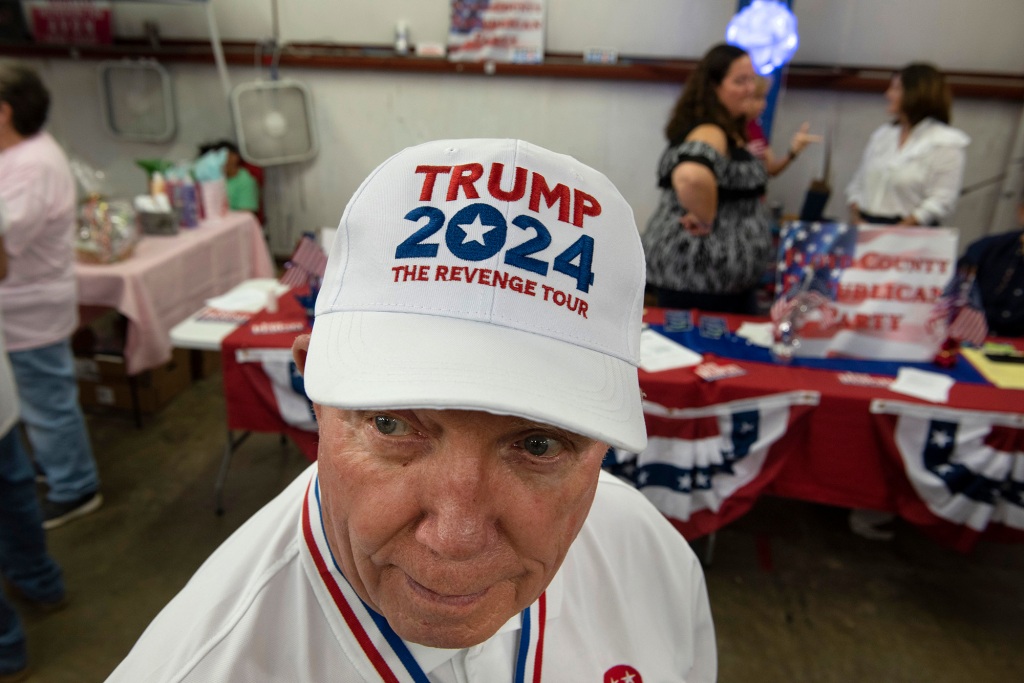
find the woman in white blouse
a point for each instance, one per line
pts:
(913, 166)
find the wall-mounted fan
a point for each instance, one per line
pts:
(274, 122)
(274, 119)
(137, 100)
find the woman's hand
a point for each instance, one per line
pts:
(694, 226)
(801, 139)
(855, 214)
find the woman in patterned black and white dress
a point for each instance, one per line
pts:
(709, 240)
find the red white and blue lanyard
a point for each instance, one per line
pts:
(531, 635)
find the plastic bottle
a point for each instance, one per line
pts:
(401, 38)
(188, 202)
(157, 184)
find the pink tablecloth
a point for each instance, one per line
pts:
(168, 278)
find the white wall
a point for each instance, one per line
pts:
(363, 117)
(983, 35)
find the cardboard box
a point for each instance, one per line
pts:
(103, 382)
(205, 364)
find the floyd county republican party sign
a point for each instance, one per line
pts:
(879, 287)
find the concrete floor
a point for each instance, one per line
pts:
(796, 597)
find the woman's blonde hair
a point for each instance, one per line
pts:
(761, 86)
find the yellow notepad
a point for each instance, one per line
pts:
(1003, 375)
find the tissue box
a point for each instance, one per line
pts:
(158, 222)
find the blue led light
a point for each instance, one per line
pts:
(766, 29)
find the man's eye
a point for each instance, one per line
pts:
(542, 446)
(390, 426)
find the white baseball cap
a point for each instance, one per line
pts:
(488, 275)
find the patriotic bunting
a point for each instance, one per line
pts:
(704, 467)
(963, 469)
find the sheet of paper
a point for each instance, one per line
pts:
(658, 352)
(251, 297)
(759, 334)
(930, 386)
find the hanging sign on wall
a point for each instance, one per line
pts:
(497, 31)
(70, 22)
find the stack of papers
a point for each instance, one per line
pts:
(658, 352)
(250, 299)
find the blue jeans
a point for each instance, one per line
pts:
(54, 421)
(23, 557)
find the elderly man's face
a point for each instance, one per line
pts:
(450, 522)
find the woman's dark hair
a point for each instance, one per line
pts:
(22, 89)
(220, 144)
(699, 103)
(925, 93)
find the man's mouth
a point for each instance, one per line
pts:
(448, 599)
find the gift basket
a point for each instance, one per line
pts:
(107, 229)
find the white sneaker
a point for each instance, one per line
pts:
(57, 514)
(872, 524)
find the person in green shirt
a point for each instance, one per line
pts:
(242, 188)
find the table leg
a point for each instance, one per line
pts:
(709, 549)
(133, 389)
(225, 462)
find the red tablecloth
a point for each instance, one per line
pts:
(839, 451)
(261, 390)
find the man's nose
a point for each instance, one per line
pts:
(458, 499)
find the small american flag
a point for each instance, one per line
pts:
(307, 264)
(803, 303)
(969, 326)
(811, 259)
(961, 309)
(782, 307)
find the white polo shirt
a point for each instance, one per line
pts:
(628, 605)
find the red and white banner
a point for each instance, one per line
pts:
(964, 469)
(70, 22)
(285, 384)
(496, 31)
(264, 392)
(876, 288)
(704, 467)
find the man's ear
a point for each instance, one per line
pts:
(300, 347)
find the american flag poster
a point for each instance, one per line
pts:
(496, 31)
(864, 291)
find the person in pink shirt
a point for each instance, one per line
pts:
(757, 142)
(38, 298)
